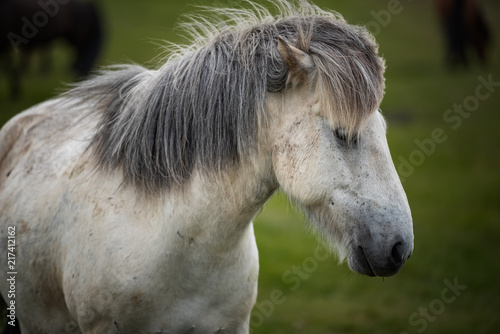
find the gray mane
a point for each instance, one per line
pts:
(202, 108)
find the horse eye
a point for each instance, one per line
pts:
(344, 138)
(341, 135)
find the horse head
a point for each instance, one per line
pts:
(331, 157)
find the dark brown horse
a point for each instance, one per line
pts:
(27, 25)
(464, 26)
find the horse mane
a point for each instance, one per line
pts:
(204, 106)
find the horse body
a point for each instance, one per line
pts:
(114, 237)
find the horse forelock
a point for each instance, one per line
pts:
(204, 106)
(350, 77)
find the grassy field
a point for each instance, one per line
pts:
(452, 282)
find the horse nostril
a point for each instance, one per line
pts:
(397, 252)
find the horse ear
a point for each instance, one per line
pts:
(299, 63)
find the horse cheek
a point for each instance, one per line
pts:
(295, 169)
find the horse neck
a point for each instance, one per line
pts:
(218, 209)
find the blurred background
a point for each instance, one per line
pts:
(442, 104)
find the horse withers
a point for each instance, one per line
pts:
(132, 195)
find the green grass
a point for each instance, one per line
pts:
(453, 193)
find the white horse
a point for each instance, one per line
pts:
(131, 197)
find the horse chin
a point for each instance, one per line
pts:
(359, 263)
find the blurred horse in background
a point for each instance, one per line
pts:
(464, 26)
(29, 25)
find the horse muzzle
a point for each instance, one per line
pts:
(380, 259)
